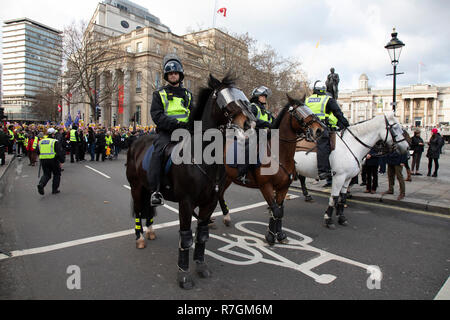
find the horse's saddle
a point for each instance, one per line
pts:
(234, 161)
(308, 146)
(167, 159)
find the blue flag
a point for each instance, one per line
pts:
(77, 117)
(68, 121)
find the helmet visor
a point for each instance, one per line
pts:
(229, 95)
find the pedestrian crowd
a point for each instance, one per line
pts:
(376, 163)
(98, 142)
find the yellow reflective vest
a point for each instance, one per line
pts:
(318, 105)
(47, 148)
(176, 107)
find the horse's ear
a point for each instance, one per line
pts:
(290, 100)
(213, 83)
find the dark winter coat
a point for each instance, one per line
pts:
(434, 146)
(415, 144)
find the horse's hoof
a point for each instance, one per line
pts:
(140, 243)
(185, 280)
(308, 199)
(227, 221)
(202, 270)
(270, 238)
(150, 235)
(343, 221)
(328, 223)
(282, 238)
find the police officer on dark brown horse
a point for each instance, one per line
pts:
(170, 110)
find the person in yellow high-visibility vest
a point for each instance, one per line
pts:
(170, 110)
(327, 110)
(51, 156)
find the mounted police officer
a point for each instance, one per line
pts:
(264, 119)
(170, 110)
(328, 111)
(51, 156)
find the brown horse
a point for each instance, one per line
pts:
(190, 184)
(294, 119)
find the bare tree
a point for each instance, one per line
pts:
(87, 55)
(46, 105)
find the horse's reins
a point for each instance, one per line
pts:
(388, 130)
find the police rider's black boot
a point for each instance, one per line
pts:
(156, 199)
(325, 175)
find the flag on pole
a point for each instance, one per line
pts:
(59, 108)
(68, 121)
(223, 11)
(318, 43)
(77, 119)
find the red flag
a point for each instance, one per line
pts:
(121, 98)
(222, 11)
(59, 108)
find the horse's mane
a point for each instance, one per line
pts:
(276, 123)
(363, 127)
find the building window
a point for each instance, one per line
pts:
(138, 115)
(138, 82)
(157, 80)
(128, 49)
(139, 47)
(158, 48)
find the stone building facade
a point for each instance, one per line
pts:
(419, 105)
(139, 74)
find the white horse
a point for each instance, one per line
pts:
(352, 145)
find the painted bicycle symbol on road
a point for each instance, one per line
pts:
(256, 248)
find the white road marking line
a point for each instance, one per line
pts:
(68, 244)
(444, 293)
(100, 173)
(373, 204)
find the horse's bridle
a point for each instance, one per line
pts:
(226, 96)
(305, 126)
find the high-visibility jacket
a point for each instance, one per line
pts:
(47, 148)
(263, 116)
(73, 138)
(109, 141)
(35, 143)
(11, 134)
(318, 105)
(176, 107)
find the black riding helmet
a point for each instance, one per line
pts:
(172, 64)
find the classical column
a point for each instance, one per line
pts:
(425, 112)
(435, 112)
(102, 98)
(126, 97)
(114, 96)
(411, 111)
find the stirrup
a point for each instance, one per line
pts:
(156, 199)
(243, 179)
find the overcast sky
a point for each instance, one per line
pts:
(349, 35)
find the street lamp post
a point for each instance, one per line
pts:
(394, 48)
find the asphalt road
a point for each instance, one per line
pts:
(409, 250)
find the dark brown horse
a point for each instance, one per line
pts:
(190, 184)
(294, 119)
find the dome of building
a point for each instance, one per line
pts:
(363, 77)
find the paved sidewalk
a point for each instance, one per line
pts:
(424, 193)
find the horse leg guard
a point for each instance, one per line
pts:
(342, 220)
(226, 212)
(184, 278)
(275, 226)
(281, 235)
(199, 252)
(140, 241)
(328, 220)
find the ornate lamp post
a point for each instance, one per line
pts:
(394, 48)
